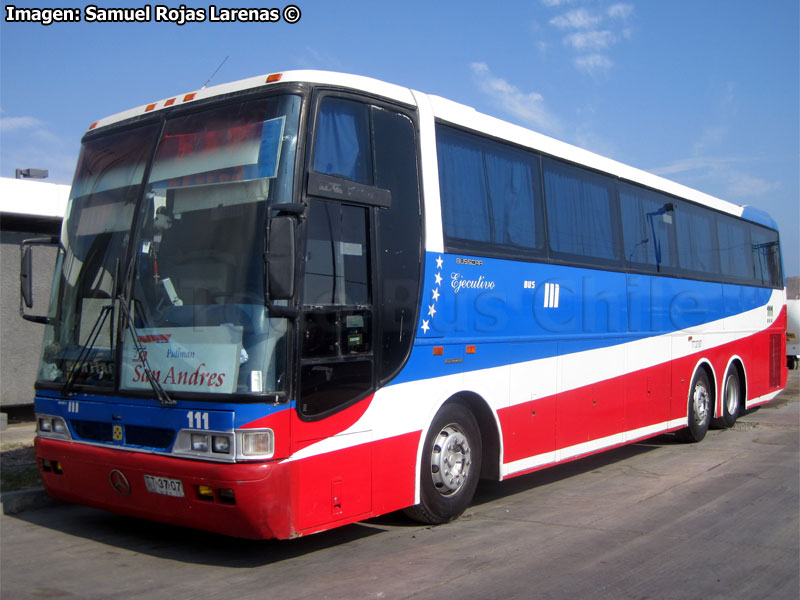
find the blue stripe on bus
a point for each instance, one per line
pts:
(520, 311)
(224, 416)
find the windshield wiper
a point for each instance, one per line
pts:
(87, 348)
(161, 393)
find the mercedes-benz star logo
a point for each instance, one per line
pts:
(119, 482)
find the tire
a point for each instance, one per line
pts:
(731, 398)
(451, 466)
(701, 407)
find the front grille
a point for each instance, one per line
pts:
(150, 437)
(135, 435)
(93, 431)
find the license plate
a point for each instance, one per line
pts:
(164, 486)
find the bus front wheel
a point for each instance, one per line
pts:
(451, 466)
(701, 407)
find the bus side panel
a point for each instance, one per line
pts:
(394, 473)
(331, 487)
(590, 411)
(648, 391)
(580, 433)
(528, 429)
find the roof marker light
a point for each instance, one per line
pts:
(169, 102)
(93, 125)
(274, 77)
(150, 107)
(188, 97)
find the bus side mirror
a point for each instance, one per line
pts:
(26, 276)
(281, 250)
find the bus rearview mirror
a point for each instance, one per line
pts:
(25, 276)
(281, 249)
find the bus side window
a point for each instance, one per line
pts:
(766, 256)
(580, 214)
(647, 227)
(337, 255)
(697, 239)
(398, 239)
(736, 258)
(342, 141)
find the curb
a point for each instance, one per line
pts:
(22, 500)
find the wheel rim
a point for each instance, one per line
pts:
(700, 403)
(450, 460)
(731, 397)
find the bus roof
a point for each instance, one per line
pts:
(357, 82)
(457, 114)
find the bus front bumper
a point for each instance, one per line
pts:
(241, 500)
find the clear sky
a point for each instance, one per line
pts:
(704, 92)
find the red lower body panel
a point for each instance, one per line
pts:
(636, 401)
(280, 499)
(261, 490)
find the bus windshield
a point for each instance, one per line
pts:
(184, 235)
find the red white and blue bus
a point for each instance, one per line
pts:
(302, 300)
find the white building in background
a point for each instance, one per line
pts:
(29, 208)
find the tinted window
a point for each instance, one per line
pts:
(490, 193)
(581, 213)
(342, 143)
(399, 242)
(736, 257)
(766, 256)
(337, 255)
(697, 240)
(647, 227)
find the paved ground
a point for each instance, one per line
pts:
(653, 520)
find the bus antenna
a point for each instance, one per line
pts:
(214, 73)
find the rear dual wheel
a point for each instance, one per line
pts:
(701, 407)
(731, 398)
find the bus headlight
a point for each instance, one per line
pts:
(221, 444)
(52, 427)
(211, 445)
(256, 444)
(199, 442)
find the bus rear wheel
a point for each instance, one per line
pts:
(731, 398)
(451, 466)
(701, 406)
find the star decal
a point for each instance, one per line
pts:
(437, 279)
